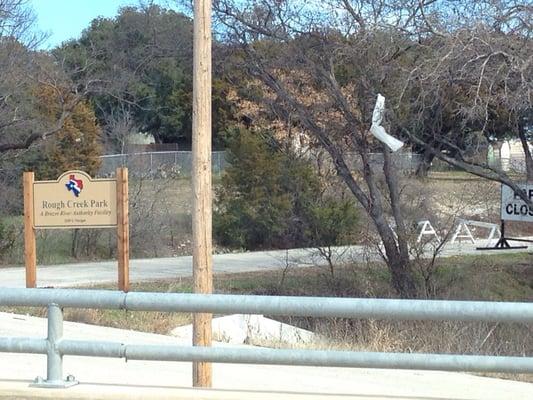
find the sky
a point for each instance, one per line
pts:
(66, 19)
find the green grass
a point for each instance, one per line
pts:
(501, 277)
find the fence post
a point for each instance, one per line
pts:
(54, 359)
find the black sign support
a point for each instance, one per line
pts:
(503, 242)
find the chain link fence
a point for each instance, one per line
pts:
(161, 164)
(405, 162)
(165, 164)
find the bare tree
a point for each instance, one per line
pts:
(119, 125)
(471, 83)
(300, 59)
(23, 70)
(457, 75)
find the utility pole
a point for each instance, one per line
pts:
(201, 182)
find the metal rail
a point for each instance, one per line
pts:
(434, 310)
(55, 347)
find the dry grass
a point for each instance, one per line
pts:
(506, 277)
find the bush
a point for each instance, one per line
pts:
(8, 236)
(332, 223)
(75, 146)
(269, 198)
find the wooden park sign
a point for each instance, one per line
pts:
(75, 200)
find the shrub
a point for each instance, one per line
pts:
(271, 198)
(75, 146)
(332, 223)
(252, 208)
(8, 236)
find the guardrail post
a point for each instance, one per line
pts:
(54, 359)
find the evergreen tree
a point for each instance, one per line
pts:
(271, 198)
(76, 145)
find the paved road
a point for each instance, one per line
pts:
(82, 274)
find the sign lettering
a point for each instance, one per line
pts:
(75, 200)
(513, 208)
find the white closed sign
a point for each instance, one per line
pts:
(513, 207)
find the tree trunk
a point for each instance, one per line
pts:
(527, 153)
(425, 164)
(399, 265)
(398, 262)
(402, 278)
(74, 245)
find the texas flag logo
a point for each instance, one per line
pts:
(74, 185)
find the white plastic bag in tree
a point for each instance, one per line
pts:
(378, 131)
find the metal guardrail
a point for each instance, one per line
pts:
(55, 346)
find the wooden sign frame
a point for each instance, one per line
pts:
(122, 226)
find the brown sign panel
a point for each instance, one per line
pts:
(75, 200)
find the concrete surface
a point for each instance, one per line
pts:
(88, 273)
(104, 378)
(251, 329)
(18, 390)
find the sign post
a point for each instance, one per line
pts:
(123, 232)
(75, 200)
(30, 252)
